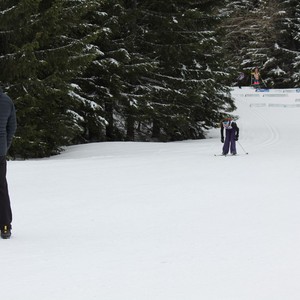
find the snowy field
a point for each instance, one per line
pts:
(163, 221)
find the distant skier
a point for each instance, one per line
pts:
(231, 136)
(255, 78)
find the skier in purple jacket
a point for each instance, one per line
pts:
(231, 136)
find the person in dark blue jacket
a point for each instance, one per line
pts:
(8, 125)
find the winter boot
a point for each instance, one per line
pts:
(5, 232)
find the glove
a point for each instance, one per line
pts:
(222, 140)
(237, 138)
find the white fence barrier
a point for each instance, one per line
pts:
(258, 105)
(284, 105)
(274, 105)
(275, 95)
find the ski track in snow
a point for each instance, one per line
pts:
(261, 131)
(257, 122)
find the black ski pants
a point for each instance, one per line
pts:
(5, 208)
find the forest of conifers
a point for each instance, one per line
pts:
(151, 70)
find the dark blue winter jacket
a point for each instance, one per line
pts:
(8, 123)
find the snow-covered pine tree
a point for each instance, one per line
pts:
(101, 81)
(158, 78)
(237, 23)
(139, 90)
(294, 24)
(44, 45)
(188, 92)
(115, 79)
(277, 68)
(258, 35)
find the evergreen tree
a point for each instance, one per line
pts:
(101, 83)
(115, 79)
(294, 24)
(45, 44)
(188, 93)
(277, 68)
(258, 35)
(237, 23)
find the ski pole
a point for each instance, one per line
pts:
(242, 147)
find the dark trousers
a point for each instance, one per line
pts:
(229, 142)
(5, 209)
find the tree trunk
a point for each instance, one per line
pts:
(130, 128)
(155, 129)
(110, 120)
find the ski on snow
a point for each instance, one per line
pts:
(225, 155)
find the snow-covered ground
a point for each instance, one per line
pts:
(163, 221)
